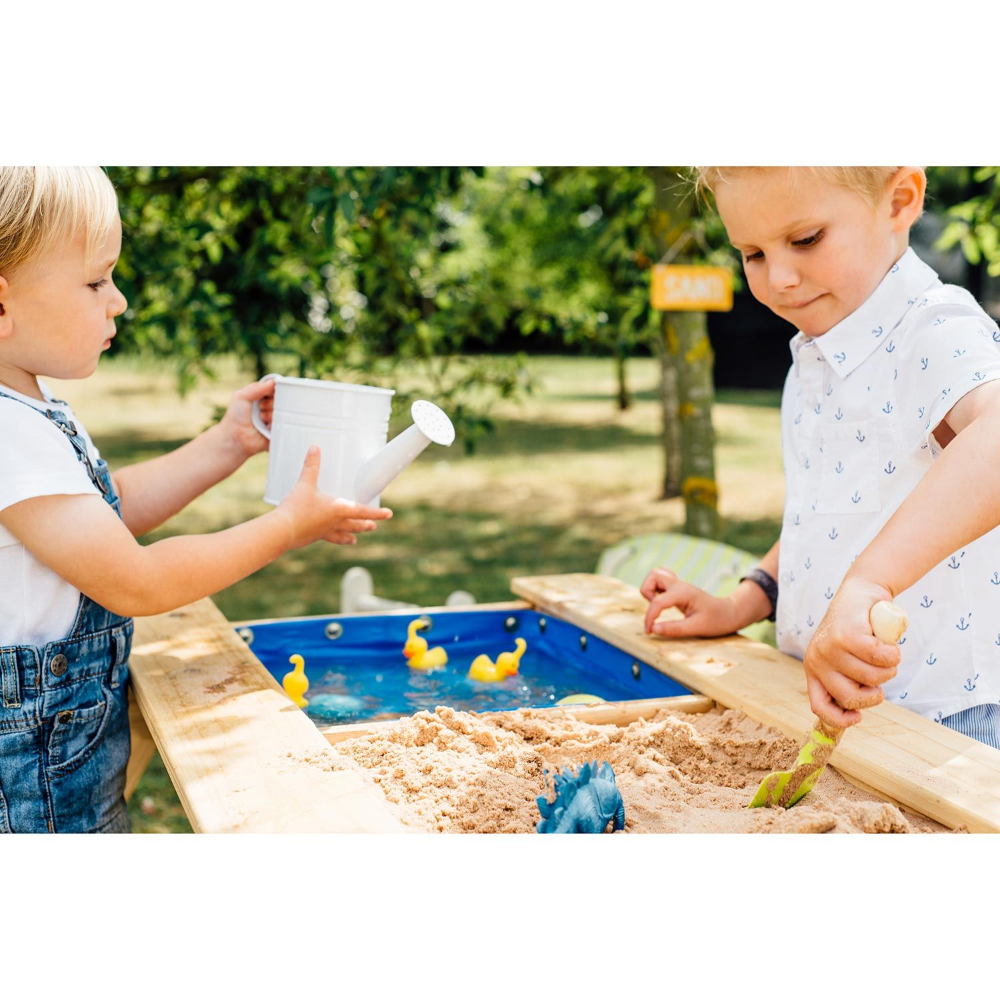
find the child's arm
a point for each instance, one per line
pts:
(957, 501)
(705, 615)
(153, 491)
(82, 539)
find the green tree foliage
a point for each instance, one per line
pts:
(973, 215)
(339, 267)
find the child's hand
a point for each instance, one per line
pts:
(314, 515)
(236, 423)
(845, 664)
(704, 615)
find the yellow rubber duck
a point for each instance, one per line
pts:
(295, 681)
(416, 651)
(484, 669)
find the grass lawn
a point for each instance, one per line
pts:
(566, 475)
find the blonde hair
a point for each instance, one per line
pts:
(41, 207)
(869, 182)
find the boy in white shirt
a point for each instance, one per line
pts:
(72, 574)
(890, 428)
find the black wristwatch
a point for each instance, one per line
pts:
(768, 584)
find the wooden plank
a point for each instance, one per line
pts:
(242, 757)
(143, 746)
(909, 759)
(618, 713)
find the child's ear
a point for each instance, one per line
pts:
(4, 315)
(906, 197)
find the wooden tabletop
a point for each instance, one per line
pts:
(242, 757)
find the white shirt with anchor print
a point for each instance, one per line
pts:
(858, 412)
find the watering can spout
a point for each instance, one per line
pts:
(430, 423)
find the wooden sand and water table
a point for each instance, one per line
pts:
(244, 758)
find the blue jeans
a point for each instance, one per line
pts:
(982, 722)
(64, 732)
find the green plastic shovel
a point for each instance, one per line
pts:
(785, 788)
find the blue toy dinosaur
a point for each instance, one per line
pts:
(584, 802)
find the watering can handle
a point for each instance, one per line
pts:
(255, 412)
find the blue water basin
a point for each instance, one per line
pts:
(357, 671)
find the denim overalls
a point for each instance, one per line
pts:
(64, 731)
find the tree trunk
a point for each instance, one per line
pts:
(624, 402)
(671, 419)
(687, 352)
(695, 394)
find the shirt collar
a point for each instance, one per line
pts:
(849, 343)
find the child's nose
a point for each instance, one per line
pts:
(117, 304)
(781, 276)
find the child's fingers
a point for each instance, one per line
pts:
(361, 512)
(353, 524)
(656, 580)
(862, 672)
(873, 651)
(257, 390)
(826, 708)
(679, 628)
(340, 538)
(667, 599)
(310, 467)
(849, 694)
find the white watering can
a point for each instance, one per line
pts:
(350, 424)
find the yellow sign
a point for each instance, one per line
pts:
(680, 288)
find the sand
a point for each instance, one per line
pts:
(462, 772)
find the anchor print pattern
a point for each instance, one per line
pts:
(857, 426)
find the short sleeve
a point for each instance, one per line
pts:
(953, 349)
(36, 458)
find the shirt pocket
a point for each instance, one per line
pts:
(850, 466)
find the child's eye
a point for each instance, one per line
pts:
(810, 241)
(97, 284)
(756, 255)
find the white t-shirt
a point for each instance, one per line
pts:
(858, 415)
(37, 606)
